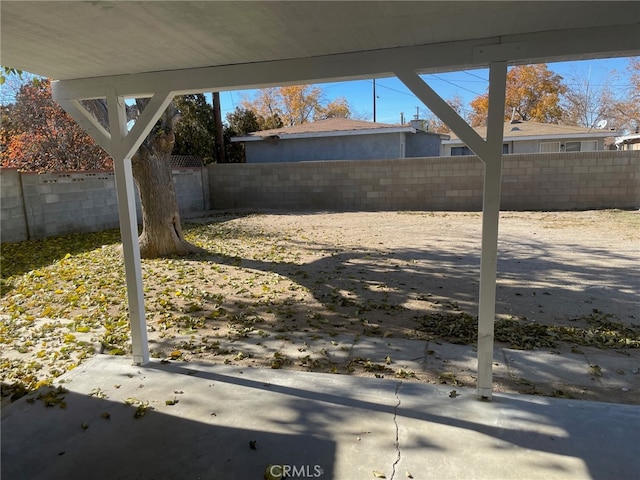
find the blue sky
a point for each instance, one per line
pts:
(393, 97)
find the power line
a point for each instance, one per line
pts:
(455, 85)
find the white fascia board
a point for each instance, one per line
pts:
(568, 136)
(336, 133)
(246, 139)
(633, 136)
(575, 44)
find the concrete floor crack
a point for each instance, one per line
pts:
(397, 441)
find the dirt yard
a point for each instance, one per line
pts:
(567, 282)
(301, 291)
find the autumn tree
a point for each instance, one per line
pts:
(38, 135)
(293, 105)
(533, 92)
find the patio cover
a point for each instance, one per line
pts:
(119, 50)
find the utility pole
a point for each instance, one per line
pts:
(217, 117)
(374, 100)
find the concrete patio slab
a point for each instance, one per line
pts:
(204, 421)
(547, 367)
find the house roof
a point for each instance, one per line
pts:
(536, 130)
(627, 139)
(326, 128)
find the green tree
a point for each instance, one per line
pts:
(239, 122)
(195, 133)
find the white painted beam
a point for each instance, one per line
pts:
(145, 122)
(443, 110)
(595, 42)
(490, 218)
(490, 153)
(128, 227)
(88, 122)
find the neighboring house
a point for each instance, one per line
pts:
(628, 142)
(534, 137)
(339, 139)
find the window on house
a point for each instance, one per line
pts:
(572, 147)
(586, 146)
(549, 147)
(457, 151)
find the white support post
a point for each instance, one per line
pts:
(490, 216)
(490, 153)
(128, 227)
(121, 145)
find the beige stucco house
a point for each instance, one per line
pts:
(628, 142)
(534, 137)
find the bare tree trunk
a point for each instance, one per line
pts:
(161, 229)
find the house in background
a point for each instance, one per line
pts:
(628, 142)
(340, 139)
(534, 137)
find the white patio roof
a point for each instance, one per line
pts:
(115, 50)
(261, 43)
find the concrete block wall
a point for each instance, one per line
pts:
(36, 206)
(192, 189)
(567, 181)
(561, 181)
(13, 223)
(438, 183)
(69, 202)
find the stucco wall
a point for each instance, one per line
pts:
(562, 181)
(358, 147)
(422, 144)
(352, 147)
(528, 146)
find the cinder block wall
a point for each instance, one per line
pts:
(36, 206)
(13, 224)
(566, 181)
(561, 181)
(60, 203)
